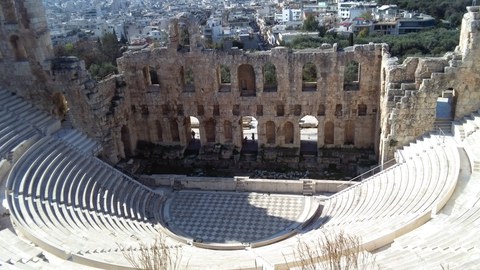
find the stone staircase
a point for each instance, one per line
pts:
(443, 125)
(308, 187)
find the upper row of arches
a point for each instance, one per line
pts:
(246, 78)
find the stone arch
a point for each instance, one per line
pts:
(126, 141)
(174, 132)
(288, 131)
(210, 130)
(269, 78)
(18, 49)
(351, 76)
(224, 77)
(329, 133)
(270, 132)
(362, 109)
(249, 133)
(309, 77)
(158, 127)
(349, 132)
(227, 130)
(308, 134)
(246, 80)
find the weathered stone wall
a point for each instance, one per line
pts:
(158, 89)
(148, 106)
(410, 90)
(25, 51)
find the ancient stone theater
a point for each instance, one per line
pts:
(66, 205)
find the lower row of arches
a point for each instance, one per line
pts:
(307, 133)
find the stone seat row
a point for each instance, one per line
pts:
(78, 140)
(26, 113)
(447, 240)
(54, 190)
(387, 204)
(405, 188)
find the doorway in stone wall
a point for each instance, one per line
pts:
(249, 134)
(193, 135)
(308, 135)
(445, 111)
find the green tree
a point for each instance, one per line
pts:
(310, 24)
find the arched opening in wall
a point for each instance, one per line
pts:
(184, 40)
(150, 76)
(210, 130)
(329, 131)
(308, 135)
(192, 133)
(224, 78)
(18, 49)
(126, 141)
(189, 81)
(174, 132)
(321, 110)
(351, 76)
(60, 106)
(249, 134)
(445, 110)
(153, 76)
(288, 132)
(269, 78)
(227, 131)
(270, 132)
(158, 126)
(246, 80)
(9, 12)
(349, 132)
(309, 77)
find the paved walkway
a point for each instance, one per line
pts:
(227, 217)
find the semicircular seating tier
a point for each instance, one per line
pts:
(75, 206)
(450, 240)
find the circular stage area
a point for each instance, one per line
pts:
(227, 219)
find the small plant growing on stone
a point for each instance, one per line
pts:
(155, 256)
(334, 252)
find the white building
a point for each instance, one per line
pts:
(350, 10)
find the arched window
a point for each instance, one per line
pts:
(349, 132)
(288, 132)
(246, 80)
(269, 78)
(351, 76)
(18, 49)
(329, 133)
(270, 132)
(224, 77)
(150, 76)
(309, 77)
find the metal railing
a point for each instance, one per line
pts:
(371, 172)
